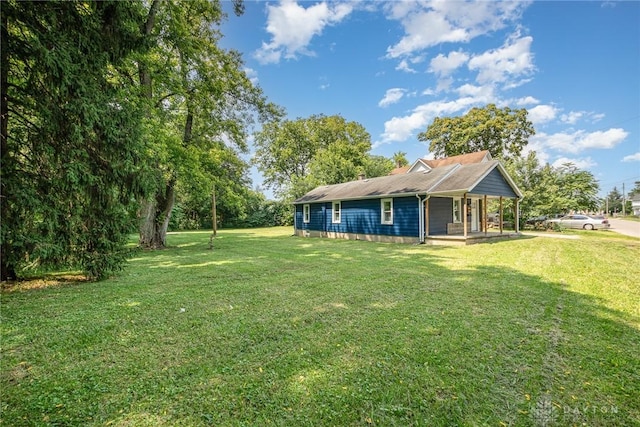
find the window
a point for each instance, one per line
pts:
(386, 211)
(306, 213)
(335, 212)
(457, 211)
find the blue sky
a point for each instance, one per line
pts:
(395, 66)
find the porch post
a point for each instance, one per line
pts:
(464, 214)
(426, 217)
(517, 215)
(484, 214)
(501, 216)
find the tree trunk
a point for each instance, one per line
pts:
(155, 214)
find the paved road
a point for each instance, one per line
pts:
(629, 228)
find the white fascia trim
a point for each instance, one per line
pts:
(418, 162)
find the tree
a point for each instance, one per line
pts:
(400, 159)
(528, 175)
(551, 190)
(296, 156)
(198, 100)
(377, 166)
(71, 134)
(615, 199)
(504, 132)
(578, 187)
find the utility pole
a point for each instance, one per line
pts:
(214, 219)
(624, 200)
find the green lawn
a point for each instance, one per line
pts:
(269, 329)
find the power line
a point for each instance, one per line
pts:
(620, 181)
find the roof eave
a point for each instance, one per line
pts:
(373, 196)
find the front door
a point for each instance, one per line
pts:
(474, 214)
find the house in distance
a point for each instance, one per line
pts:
(441, 201)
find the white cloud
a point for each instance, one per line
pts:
(292, 27)
(572, 118)
(507, 64)
(536, 144)
(444, 84)
(580, 163)
(402, 128)
(542, 114)
(445, 65)
(478, 92)
(430, 23)
(579, 141)
(404, 66)
(632, 157)
(391, 97)
(252, 75)
(527, 100)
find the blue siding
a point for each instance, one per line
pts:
(298, 218)
(315, 217)
(440, 213)
(363, 217)
(494, 184)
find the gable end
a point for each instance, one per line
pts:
(494, 184)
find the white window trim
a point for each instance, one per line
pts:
(382, 202)
(306, 213)
(457, 201)
(335, 220)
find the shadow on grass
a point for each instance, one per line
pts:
(331, 333)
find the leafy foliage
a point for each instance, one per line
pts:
(296, 156)
(109, 104)
(504, 132)
(614, 200)
(205, 103)
(635, 190)
(552, 190)
(400, 159)
(71, 135)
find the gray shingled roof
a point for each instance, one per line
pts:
(438, 180)
(465, 177)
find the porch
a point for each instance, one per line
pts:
(471, 237)
(464, 219)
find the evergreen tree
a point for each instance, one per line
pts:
(70, 134)
(614, 199)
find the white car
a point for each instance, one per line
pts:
(586, 222)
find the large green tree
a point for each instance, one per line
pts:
(200, 104)
(552, 190)
(298, 155)
(70, 134)
(502, 131)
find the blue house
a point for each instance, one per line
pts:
(432, 201)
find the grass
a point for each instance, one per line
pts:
(269, 329)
